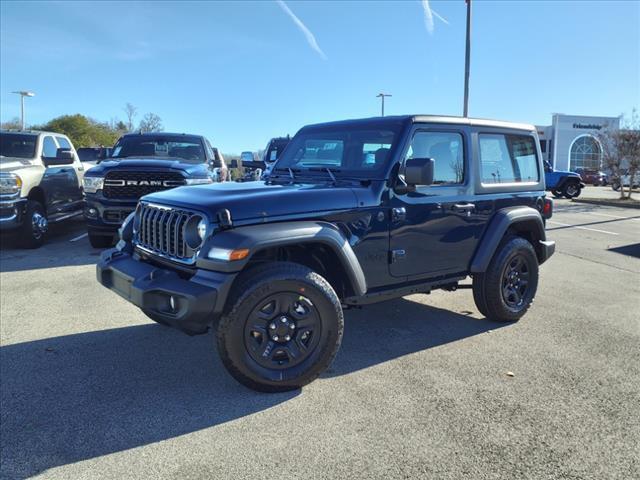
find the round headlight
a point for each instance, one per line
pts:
(202, 229)
(195, 231)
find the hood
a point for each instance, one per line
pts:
(150, 164)
(250, 200)
(13, 164)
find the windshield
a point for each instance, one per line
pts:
(18, 145)
(186, 148)
(351, 151)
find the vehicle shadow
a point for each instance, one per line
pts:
(58, 250)
(76, 397)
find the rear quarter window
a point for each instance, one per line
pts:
(506, 158)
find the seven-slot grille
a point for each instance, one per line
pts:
(160, 230)
(125, 184)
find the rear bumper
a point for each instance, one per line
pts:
(547, 248)
(197, 301)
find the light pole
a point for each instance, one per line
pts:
(23, 93)
(381, 96)
(467, 60)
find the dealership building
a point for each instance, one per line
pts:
(571, 141)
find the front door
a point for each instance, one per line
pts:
(435, 229)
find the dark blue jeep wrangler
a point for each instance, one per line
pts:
(139, 164)
(353, 213)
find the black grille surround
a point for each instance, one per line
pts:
(160, 230)
(130, 184)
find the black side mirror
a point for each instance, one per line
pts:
(419, 171)
(64, 156)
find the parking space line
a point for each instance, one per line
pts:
(610, 216)
(581, 228)
(79, 237)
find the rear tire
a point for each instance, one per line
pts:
(506, 290)
(34, 225)
(100, 241)
(282, 329)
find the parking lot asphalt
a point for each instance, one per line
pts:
(423, 386)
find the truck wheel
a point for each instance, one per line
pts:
(506, 290)
(556, 193)
(282, 328)
(34, 225)
(615, 186)
(571, 190)
(100, 241)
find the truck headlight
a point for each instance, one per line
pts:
(199, 181)
(92, 184)
(10, 184)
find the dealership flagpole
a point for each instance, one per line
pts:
(467, 59)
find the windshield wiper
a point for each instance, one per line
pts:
(293, 177)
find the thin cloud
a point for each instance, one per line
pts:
(311, 39)
(429, 13)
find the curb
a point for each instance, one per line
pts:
(608, 203)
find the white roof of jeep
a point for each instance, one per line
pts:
(476, 122)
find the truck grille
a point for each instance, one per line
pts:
(160, 231)
(125, 184)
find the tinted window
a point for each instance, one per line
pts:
(508, 159)
(17, 145)
(447, 151)
(351, 150)
(88, 154)
(188, 148)
(49, 147)
(63, 142)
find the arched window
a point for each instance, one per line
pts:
(585, 153)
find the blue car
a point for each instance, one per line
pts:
(562, 184)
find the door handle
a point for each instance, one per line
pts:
(463, 207)
(398, 214)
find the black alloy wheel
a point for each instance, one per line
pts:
(282, 331)
(515, 281)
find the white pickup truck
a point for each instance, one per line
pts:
(40, 183)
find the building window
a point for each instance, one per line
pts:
(586, 153)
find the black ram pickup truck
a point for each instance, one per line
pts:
(143, 163)
(354, 212)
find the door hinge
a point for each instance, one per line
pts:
(397, 255)
(398, 214)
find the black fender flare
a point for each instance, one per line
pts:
(498, 226)
(261, 236)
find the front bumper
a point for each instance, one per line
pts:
(104, 215)
(197, 301)
(12, 213)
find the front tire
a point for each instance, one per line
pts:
(282, 329)
(506, 290)
(34, 226)
(556, 193)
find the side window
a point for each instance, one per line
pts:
(63, 142)
(508, 159)
(49, 148)
(447, 150)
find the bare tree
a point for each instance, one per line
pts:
(151, 123)
(131, 112)
(621, 151)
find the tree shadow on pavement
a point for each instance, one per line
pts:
(76, 397)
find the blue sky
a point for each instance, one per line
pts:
(242, 72)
